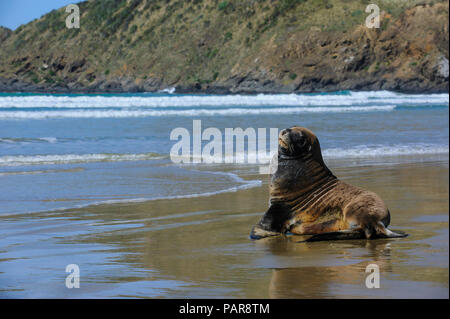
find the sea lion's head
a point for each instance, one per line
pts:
(297, 142)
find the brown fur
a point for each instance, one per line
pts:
(307, 199)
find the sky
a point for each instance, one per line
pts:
(13, 13)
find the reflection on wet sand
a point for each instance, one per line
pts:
(323, 282)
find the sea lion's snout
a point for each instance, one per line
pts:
(292, 141)
(283, 141)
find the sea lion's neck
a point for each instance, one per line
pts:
(297, 177)
(312, 172)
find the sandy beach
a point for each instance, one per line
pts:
(199, 247)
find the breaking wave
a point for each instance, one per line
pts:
(192, 112)
(223, 101)
(361, 151)
(365, 151)
(18, 160)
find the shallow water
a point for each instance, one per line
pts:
(87, 180)
(199, 247)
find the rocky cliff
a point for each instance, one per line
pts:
(244, 46)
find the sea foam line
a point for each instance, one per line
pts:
(365, 151)
(18, 160)
(359, 151)
(157, 101)
(192, 112)
(247, 185)
(11, 140)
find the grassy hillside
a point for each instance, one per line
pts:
(238, 46)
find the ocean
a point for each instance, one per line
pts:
(62, 151)
(75, 167)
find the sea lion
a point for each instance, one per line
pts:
(307, 199)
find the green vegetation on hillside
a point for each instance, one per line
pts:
(189, 42)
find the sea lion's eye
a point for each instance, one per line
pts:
(302, 141)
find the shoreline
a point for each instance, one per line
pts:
(251, 179)
(259, 86)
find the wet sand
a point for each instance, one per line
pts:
(199, 247)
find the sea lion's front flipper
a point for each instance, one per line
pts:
(273, 222)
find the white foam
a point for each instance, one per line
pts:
(236, 158)
(71, 170)
(154, 105)
(9, 140)
(191, 112)
(170, 90)
(51, 140)
(19, 160)
(366, 151)
(360, 151)
(155, 101)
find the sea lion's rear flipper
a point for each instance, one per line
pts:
(396, 234)
(273, 222)
(380, 232)
(383, 232)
